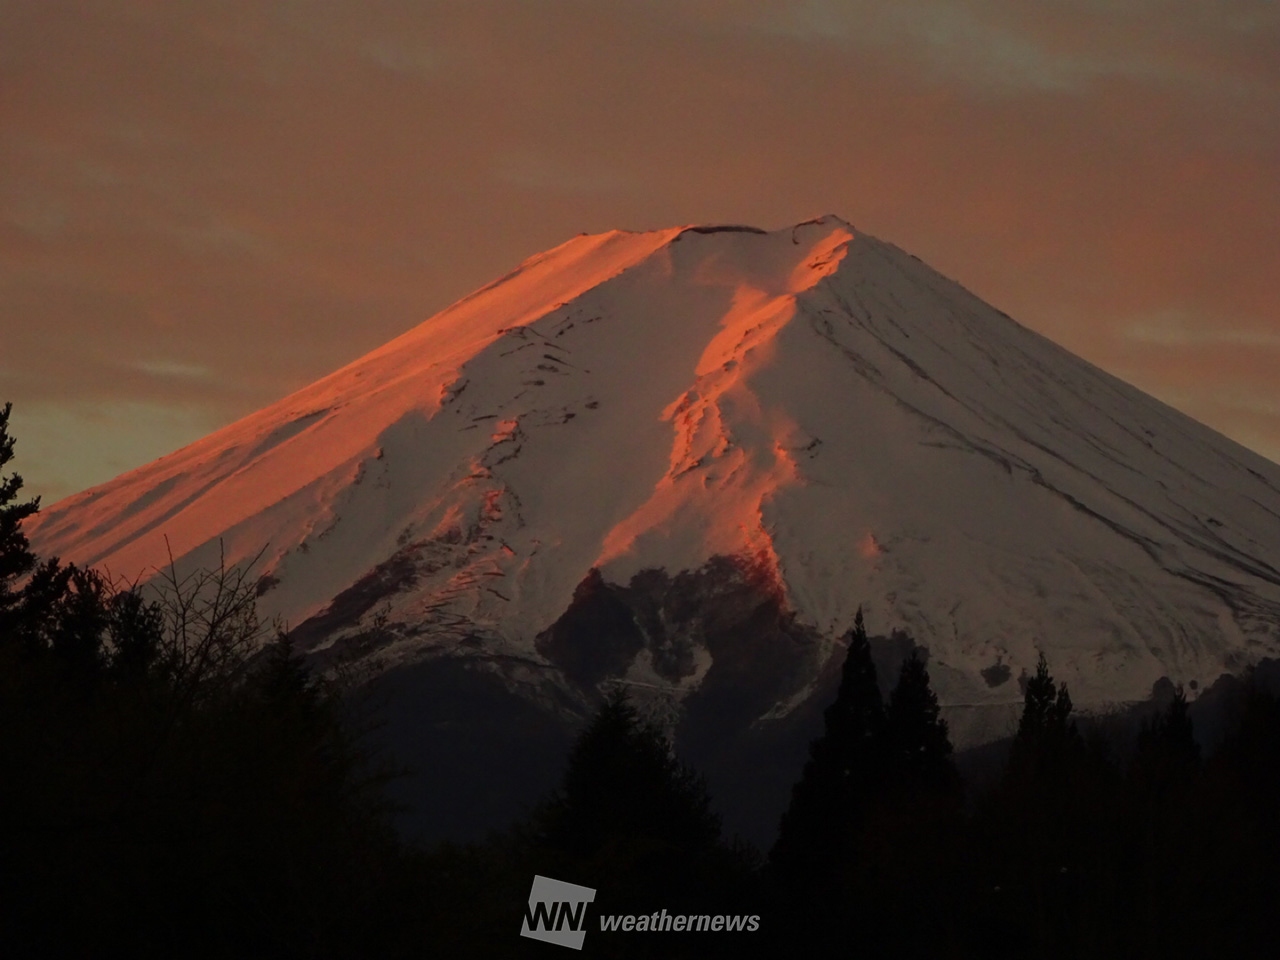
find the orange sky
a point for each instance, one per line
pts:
(206, 205)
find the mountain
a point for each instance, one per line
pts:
(681, 459)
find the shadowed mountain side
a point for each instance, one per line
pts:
(484, 740)
(706, 653)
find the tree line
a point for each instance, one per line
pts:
(175, 781)
(1082, 847)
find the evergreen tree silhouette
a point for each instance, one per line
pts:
(166, 790)
(820, 868)
(917, 738)
(1056, 831)
(629, 820)
(1165, 835)
(622, 781)
(283, 676)
(913, 828)
(1167, 755)
(1046, 731)
(817, 834)
(16, 558)
(1239, 807)
(635, 823)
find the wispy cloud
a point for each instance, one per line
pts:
(1173, 329)
(174, 369)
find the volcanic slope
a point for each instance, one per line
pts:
(845, 424)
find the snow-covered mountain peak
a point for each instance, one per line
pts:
(849, 425)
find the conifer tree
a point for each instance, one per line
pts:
(1046, 731)
(1056, 810)
(817, 833)
(1164, 836)
(164, 789)
(622, 781)
(917, 737)
(632, 821)
(1167, 754)
(283, 675)
(16, 558)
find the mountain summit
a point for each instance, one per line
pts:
(555, 480)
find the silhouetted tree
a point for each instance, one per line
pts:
(1167, 755)
(914, 827)
(16, 558)
(916, 735)
(165, 789)
(632, 821)
(1054, 832)
(1236, 821)
(79, 624)
(623, 782)
(1045, 730)
(135, 634)
(1163, 841)
(818, 833)
(818, 868)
